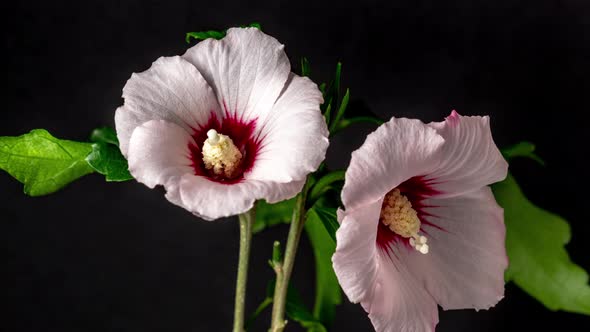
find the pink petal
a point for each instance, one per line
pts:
(172, 90)
(158, 155)
(247, 70)
(396, 151)
(295, 135)
(467, 259)
(384, 287)
(211, 200)
(470, 158)
(398, 302)
(355, 259)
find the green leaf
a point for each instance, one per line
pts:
(104, 135)
(202, 35)
(252, 25)
(539, 263)
(328, 293)
(43, 163)
(328, 218)
(107, 159)
(345, 123)
(272, 214)
(305, 69)
(324, 184)
(331, 95)
(215, 34)
(341, 110)
(522, 149)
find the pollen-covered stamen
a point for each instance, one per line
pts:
(221, 155)
(399, 216)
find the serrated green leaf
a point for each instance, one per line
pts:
(522, 149)
(107, 160)
(272, 214)
(539, 263)
(43, 163)
(104, 135)
(328, 293)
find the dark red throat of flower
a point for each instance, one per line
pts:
(416, 189)
(242, 135)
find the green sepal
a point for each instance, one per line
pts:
(43, 163)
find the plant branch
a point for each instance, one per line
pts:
(284, 269)
(246, 222)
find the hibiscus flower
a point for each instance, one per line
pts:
(421, 226)
(223, 125)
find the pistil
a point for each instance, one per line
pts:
(399, 216)
(220, 155)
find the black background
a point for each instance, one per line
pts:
(118, 257)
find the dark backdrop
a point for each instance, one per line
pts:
(119, 257)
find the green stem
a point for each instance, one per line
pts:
(283, 270)
(246, 222)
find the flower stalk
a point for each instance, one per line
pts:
(246, 222)
(284, 268)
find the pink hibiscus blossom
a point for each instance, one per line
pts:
(421, 226)
(223, 125)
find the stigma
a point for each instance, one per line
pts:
(220, 155)
(399, 216)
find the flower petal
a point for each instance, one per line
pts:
(172, 90)
(158, 151)
(396, 151)
(295, 134)
(394, 301)
(247, 70)
(398, 302)
(467, 259)
(211, 200)
(355, 258)
(470, 159)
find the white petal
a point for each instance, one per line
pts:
(465, 265)
(470, 159)
(211, 200)
(399, 303)
(295, 135)
(397, 151)
(158, 152)
(355, 259)
(172, 90)
(247, 69)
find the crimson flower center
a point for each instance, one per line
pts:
(224, 149)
